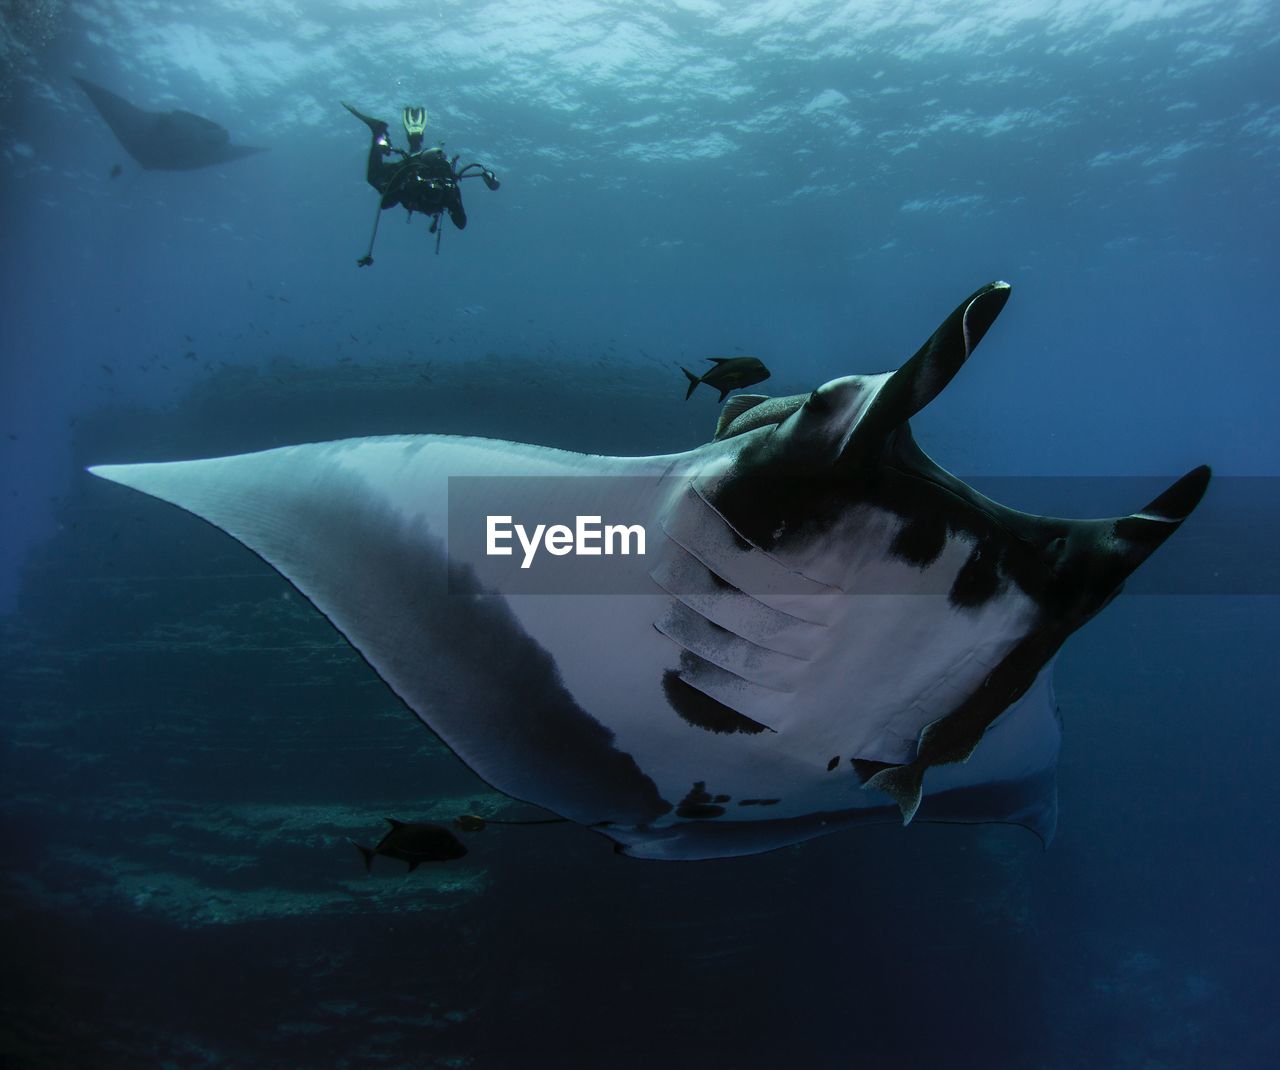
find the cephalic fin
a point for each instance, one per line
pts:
(1160, 517)
(1137, 536)
(934, 365)
(1103, 553)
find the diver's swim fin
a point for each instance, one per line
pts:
(376, 125)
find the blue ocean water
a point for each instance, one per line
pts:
(188, 746)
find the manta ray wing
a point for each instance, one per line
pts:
(379, 572)
(828, 629)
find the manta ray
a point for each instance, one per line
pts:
(165, 140)
(825, 629)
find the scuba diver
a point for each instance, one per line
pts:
(423, 180)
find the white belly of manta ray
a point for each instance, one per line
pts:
(824, 628)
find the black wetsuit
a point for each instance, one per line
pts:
(422, 181)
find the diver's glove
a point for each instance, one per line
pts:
(490, 179)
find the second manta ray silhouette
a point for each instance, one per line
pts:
(833, 629)
(165, 140)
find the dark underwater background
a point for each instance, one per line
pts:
(187, 747)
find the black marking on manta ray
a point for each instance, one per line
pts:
(703, 711)
(1069, 568)
(699, 709)
(978, 580)
(766, 502)
(921, 540)
(699, 804)
(833, 763)
(758, 802)
(771, 504)
(1000, 555)
(771, 494)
